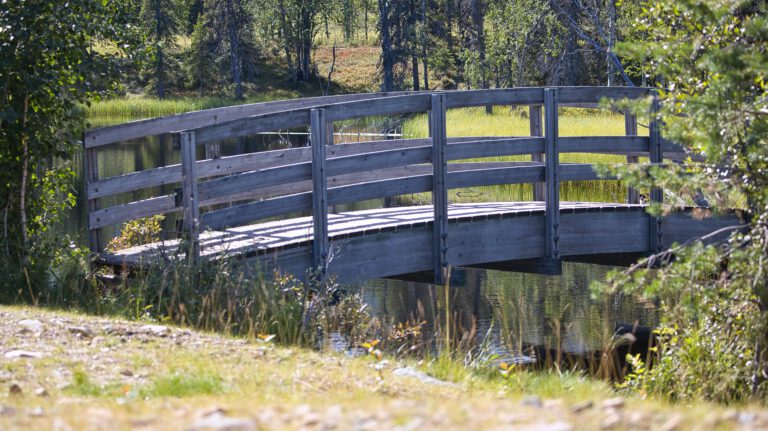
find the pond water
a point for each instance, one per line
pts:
(508, 309)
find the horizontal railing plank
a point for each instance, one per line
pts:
(208, 117)
(596, 94)
(253, 211)
(252, 125)
(483, 175)
(383, 106)
(494, 147)
(504, 96)
(133, 210)
(603, 144)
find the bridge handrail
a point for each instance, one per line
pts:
(289, 180)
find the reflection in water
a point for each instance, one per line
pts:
(513, 309)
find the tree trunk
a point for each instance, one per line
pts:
(611, 40)
(479, 21)
(160, 86)
(424, 38)
(415, 72)
(234, 48)
(286, 39)
(387, 59)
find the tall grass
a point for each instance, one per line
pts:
(127, 108)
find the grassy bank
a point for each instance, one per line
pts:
(67, 371)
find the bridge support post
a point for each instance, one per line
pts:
(551, 175)
(534, 116)
(190, 200)
(656, 156)
(92, 175)
(320, 244)
(630, 129)
(439, 191)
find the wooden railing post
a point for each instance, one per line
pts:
(656, 156)
(552, 163)
(534, 116)
(320, 244)
(190, 200)
(92, 174)
(437, 132)
(630, 129)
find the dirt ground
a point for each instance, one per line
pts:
(63, 371)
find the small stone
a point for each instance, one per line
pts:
(7, 411)
(672, 423)
(81, 331)
(41, 392)
(532, 401)
(14, 354)
(546, 426)
(31, 325)
(219, 422)
(613, 403)
(580, 407)
(158, 330)
(36, 412)
(611, 421)
(15, 389)
(142, 422)
(747, 417)
(126, 372)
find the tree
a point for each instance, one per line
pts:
(54, 56)
(159, 19)
(231, 23)
(709, 61)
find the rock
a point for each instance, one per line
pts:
(219, 422)
(15, 389)
(580, 407)
(41, 392)
(611, 421)
(546, 426)
(126, 372)
(7, 411)
(613, 403)
(159, 330)
(13, 354)
(31, 325)
(532, 401)
(36, 412)
(672, 423)
(81, 331)
(423, 377)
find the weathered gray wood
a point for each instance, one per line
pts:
(383, 106)
(602, 144)
(437, 131)
(655, 156)
(552, 180)
(320, 244)
(534, 115)
(596, 94)
(630, 129)
(380, 189)
(190, 198)
(493, 147)
(132, 210)
(239, 215)
(503, 96)
(94, 203)
(253, 125)
(579, 172)
(379, 160)
(231, 185)
(489, 176)
(192, 120)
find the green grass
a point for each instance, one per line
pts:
(185, 384)
(146, 107)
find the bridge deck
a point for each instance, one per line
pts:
(265, 238)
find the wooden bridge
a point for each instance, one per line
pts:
(271, 207)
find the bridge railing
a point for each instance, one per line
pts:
(301, 180)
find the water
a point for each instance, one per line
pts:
(509, 310)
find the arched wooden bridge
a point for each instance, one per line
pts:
(271, 207)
